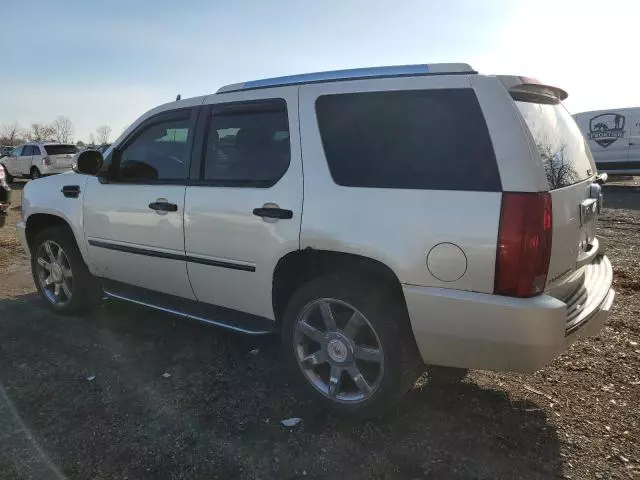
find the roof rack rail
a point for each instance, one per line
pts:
(353, 74)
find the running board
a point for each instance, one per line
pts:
(229, 319)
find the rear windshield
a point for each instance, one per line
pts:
(562, 148)
(61, 149)
(414, 139)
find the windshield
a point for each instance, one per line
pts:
(562, 148)
(61, 149)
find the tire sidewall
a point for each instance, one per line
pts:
(387, 315)
(84, 284)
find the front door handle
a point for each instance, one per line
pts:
(163, 206)
(71, 191)
(273, 212)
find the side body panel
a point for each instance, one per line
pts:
(400, 227)
(633, 159)
(608, 135)
(45, 197)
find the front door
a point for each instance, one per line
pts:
(244, 205)
(11, 161)
(133, 219)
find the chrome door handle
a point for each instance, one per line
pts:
(163, 207)
(278, 213)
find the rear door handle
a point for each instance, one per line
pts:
(273, 212)
(162, 206)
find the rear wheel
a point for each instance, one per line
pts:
(60, 274)
(35, 173)
(351, 344)
(7, 175)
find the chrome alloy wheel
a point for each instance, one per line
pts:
(338, 350)
(54, 273)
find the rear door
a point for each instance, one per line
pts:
(36, 158)
(576, 200)
(607, 133)
(24, 160)
(243, 208)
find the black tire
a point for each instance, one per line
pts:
(7, 175)
(439, 375)
(35, 173)
(386, 314)
(86, 290)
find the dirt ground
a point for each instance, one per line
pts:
(127, 393)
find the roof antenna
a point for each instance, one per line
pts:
(178, 97)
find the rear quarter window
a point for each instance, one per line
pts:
(418, 139)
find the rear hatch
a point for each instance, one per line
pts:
(570, 172)
(61, 156)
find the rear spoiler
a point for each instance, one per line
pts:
(525, 87)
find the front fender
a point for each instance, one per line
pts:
(44, 196)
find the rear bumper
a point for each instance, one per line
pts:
(484, 331)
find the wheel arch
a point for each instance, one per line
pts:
(37, 222)
(299, 267)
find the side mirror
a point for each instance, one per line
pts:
(89, 162)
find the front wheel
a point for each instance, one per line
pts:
(351, 344)
(60, 274)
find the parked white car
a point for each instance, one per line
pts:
(614, 139)
(34, 160)
(378, 219)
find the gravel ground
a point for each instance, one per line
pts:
(127, 393)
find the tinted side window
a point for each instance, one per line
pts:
(247, 145)
(27, 151)
(159, 152)
(17, 151)
(417, 139)
(35, 150)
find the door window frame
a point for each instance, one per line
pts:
(207, 112)
(110, 171)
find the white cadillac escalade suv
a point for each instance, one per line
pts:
(379, 219)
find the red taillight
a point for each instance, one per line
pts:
(524, 244)
(46, 161)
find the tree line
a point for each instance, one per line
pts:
(60, 130)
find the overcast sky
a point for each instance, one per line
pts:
(102, 62)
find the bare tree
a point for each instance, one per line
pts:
(40, 132)
(560, 171)
(63, 129)
(11, 134)
(92, 139)
(103, 132)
